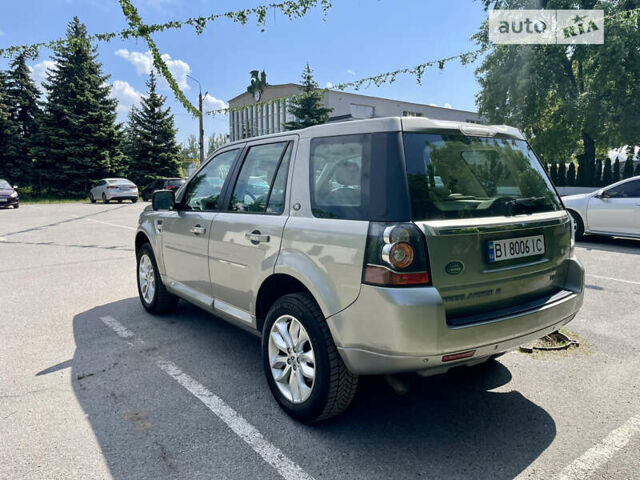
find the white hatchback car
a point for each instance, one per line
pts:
(613, 210)
(118, 189)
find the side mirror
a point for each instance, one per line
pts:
(15, 187)
(163, 200)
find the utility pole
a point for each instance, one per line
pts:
(201, 119)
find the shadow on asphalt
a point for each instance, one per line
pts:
(610, 244)
(448, 426)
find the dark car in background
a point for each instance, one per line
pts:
(8, 195)
(161, 184)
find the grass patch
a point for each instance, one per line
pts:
(47, 200)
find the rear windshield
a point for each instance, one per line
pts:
(456, 176)
(120, 181)
(175, 183)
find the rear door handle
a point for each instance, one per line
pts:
(198, 230)
(256, 237)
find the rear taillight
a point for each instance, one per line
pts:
(396, 256)
(112, 187)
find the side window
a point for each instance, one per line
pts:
(251, 193)
(278, 191)
(203, 192)
(626, 190)
(339, 176)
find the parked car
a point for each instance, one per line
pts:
(613, 210)
(8, 195)
(118, 189)
(356, 261)
(161, 184)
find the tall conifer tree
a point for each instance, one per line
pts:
(153, 151)
(308, 107)
(22, 97)
(79, 139)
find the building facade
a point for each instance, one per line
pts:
(265, 113)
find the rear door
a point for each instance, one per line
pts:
(246, 236)
(496, 232)
(186, 231)
(617, 211)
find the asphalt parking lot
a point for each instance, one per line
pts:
(91, 386)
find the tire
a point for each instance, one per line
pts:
(578, 225)
(93, 200)
(332, 388)
(17, 205)
(104, 199)
(160, 301)
(119, 200)
(134, 200)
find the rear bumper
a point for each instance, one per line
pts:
(392, 330)
(122, 196)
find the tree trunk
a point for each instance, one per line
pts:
(588, 160)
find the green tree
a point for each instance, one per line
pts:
(153, 151)
(637, 170)
(308, 107)
(79, 140)
(562, 174)
(597, 173)
(553, 173)
(607, 173)
(616, 170)
(570, 100)
(214, 142)
(571, 174)
(258, 82)
(6, 132)
(22, 98)
(627, 170)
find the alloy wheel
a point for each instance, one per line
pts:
(146, 279)
(291, 359)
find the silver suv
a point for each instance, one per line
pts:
(368, 247)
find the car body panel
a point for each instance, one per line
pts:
(8, 195)
(607, 216)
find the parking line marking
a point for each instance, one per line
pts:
(614, 279)
(586, 465)
(109, 223)
(269, 452)
(116, 326)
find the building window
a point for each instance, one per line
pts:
(362, 111)
(407, 113)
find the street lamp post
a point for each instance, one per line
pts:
(201, 123)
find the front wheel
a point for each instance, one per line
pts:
(303, 368)
(578, 225)
(93, 200)
(153, 295)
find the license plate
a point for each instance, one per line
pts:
(509, 248)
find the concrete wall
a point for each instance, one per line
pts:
(341, 103)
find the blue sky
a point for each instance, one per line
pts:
(358, 38)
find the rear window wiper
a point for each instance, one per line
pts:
(526, 205)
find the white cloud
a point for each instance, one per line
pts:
(328, 85)
(126, 95)
(39, 71)
(213, 103)
(351, 72)
(1, 32)
(143, 63)
(446, 105)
